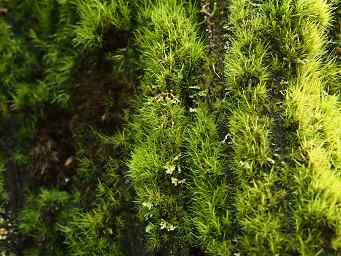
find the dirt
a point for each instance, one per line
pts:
(214, 14)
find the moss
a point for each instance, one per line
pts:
(49, 71)
(248, 164)
(209, 216)
(40, 221)
(157, 173)
(294, 33)
(170, 48)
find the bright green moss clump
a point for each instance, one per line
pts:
(170, 49)
(288, 191)
(260, 195)
(208, 185)
(97, 17)
(171, 54)
(158, 175)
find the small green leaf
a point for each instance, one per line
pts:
(148, 205)
(270, 160)
(163, 224)
(149, 228)
(245, 164)
(170, 169)
(176, 182)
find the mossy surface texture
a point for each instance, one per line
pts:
(171, 127)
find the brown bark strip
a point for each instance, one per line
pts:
(214, 15)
